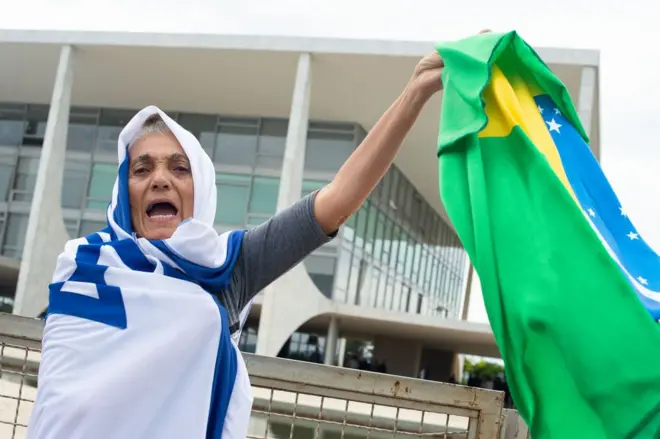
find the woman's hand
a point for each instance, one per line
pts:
(426, 78)
(371, 160)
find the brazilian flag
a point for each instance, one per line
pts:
(571, 289)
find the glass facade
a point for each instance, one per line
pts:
(395, 253)
(398, 253)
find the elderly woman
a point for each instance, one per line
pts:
(138, 340)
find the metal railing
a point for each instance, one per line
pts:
(298, 400)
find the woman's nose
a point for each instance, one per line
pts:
(160, 180)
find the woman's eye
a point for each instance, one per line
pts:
(181, 169)
(139, 171)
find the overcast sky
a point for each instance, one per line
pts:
(626, 32)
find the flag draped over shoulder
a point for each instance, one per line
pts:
(571, 289)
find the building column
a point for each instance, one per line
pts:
(292, 299)
(341, 356)
(46, 234)
(586, 99)
(293, 164)
(467, 288)
(331, 341)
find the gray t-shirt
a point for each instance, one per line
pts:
(270, 250)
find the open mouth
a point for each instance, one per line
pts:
(162, 210)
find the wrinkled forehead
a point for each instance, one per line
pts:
(156, 147)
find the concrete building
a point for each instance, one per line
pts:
(278, 115)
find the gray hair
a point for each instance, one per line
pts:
(153, 124)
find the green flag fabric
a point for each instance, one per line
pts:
(570, 288)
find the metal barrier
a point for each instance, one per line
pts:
(297, 400)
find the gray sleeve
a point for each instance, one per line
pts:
(273, 248)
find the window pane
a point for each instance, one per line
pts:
(271, 143)
(7, 165)
(26, 177)
(80, 137)
(273, 136)
(310, 186)
(203, 127)
(75, 180)
(71, 226)
(82, 129)
(111, 124)
(233, 191)
(253, 220)
(236, 145)
(100, 186)
(321, 269)
(264, 195)
(11, 125)
(327, 151)
(15, 235)
(35, 128)
(88, 227)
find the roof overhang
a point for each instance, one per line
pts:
(352, 80)
(363, 322)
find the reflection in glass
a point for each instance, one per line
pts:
(203, 127)
(87, 227)
(12, 125)
(248, 340)
(321, 269)
(71, 226)
(81, 137)
(233, 191)
(236, 145)
(398, 254)
(7, 164)
(75, 181)
(272, 139)
(263, 198)
(35, 125)
(110, 125)
(82, 129)
(26, 177)
(99, 194)
(15, 235)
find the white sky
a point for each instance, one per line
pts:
(626, 32)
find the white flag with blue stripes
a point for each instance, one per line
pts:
(135, 346)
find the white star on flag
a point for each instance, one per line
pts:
(642, 280)
(540, 109)
(557, 111)
(633, 235)
(553, 126)
(623, 212)
(591, 212)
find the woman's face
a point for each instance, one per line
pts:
(160, 185)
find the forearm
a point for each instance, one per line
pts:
(369, 162)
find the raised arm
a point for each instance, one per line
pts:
(271, 249)
(342, 197)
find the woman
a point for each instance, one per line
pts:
(138, 340)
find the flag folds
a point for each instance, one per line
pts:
(571, 289)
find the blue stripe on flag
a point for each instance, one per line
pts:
(212, 280)
(108, 308)
(600, 203)
(226, 367)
